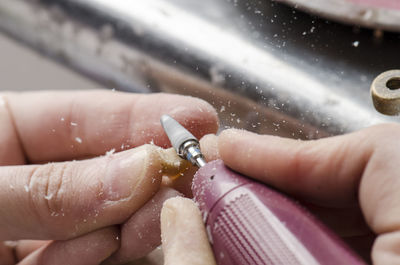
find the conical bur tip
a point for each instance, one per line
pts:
(176, 133)
(164, 119)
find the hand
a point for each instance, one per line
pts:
(93, 208)
(351, 182)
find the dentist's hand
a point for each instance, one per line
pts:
(90, 208)
(351, 182)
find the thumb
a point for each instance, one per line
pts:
(64, 200)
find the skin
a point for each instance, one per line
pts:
(58, 186)
(352, 180)
(183, 234)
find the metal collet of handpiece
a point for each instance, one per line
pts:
(191, 151)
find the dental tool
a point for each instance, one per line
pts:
(251, 223)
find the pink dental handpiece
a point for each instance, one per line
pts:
(250, 223)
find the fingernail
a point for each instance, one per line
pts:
(124, 172)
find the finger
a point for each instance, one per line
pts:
(55, 126)
(88, 249)
(209, 147)
(354, 224)
(333, 171)
(141, 233)
(26, 247)
(323, 171)
(64, 200)
(184, 237)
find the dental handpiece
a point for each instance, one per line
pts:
(248, 222)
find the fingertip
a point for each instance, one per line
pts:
(181, 217)
(204, 110)
(171, 207)
(176, 203)
(236, 147)
(168, 218)
(174, 211)
(209, 147)
(211, 114)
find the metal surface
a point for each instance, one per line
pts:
(191, 151)
(264, 66)
(385, 92)
(376, 14)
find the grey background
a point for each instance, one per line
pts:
(23, 69)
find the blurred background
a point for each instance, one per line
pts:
(22, 68)
(295, 68)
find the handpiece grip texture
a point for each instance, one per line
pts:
(249, 223)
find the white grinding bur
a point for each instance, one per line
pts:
(184, 143)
